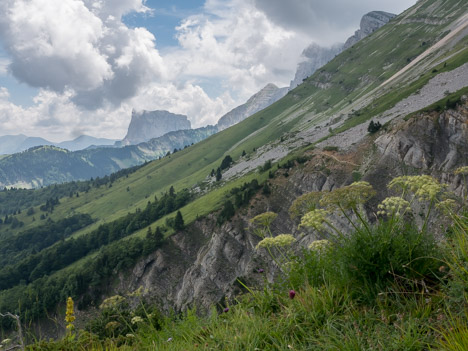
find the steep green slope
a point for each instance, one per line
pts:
(339, 86)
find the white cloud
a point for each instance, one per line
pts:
(239, 45)
(4, 63)
(79, 45)
(188, 99)
(326, 22)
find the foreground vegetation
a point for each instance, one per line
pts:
(388, 284)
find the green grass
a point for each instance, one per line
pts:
(348, 77)
(363, 291)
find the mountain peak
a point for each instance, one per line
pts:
(146, 125)
(260, 100)
(370, 22)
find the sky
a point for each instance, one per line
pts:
(73, 67)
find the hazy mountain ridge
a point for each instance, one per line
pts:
(45, 165)
(264, 98)
(10, 144)
(316, 56)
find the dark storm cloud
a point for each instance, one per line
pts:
(327, 19)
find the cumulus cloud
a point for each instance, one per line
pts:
(53, 116)
(326, 21)
(81, 45)
(188, 99)
(238, 44)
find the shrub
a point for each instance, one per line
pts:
(374, 127)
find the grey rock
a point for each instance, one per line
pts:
(146, 125)
(370, 22)
(264, 98)
(436, 142)
(314, 57)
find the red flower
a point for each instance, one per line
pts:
(292, 293)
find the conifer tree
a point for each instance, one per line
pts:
(178, 221)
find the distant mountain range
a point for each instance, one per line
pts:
(10, 144)
(151, 134)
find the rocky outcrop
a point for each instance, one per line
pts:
(370, 22)
(146, 125)
(430, 141)
(314, 57)
(264, 98)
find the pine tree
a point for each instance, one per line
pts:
(218, 174)
(158, 235)
(178, 221)
(149, 233)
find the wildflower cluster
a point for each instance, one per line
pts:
(447, 206)
(319, 246)
(314, 219)
(112, 325)
(136, 319)
(5, 342)
(70, 314)
(263, 222)
(305, 203)
(348, 197)
(264, 219)
(462, 170)
(393, 206)
(277, 241)
(112, 302)
(424, 187)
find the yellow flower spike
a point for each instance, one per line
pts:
(70, 314)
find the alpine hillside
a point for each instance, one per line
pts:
(176, 233)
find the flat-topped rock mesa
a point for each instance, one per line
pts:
(146, 125)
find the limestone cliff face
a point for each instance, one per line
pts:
(264, 98)
(201, 265)
(432, 142)
(370, 22)
(147, 125)
(316, 56)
